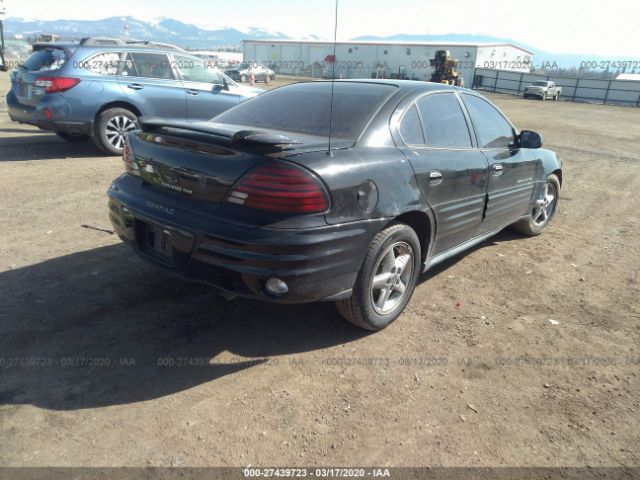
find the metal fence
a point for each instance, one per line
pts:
(320, 70)
(615, 92)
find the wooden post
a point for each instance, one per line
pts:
(520, 83)
(606, 95)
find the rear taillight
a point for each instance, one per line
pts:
(280, 187)
(127, 157)
(56, 84)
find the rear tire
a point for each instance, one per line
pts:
(243, 79)
(267, 79)
(543, 211)
(386, 279)
(73, 138)
(112, 128)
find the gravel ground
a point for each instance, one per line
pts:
(520, 352)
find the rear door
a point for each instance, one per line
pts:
(450, 171)
(204, 89)
(150, 84)
(512, 170)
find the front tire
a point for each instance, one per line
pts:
(112, 128)
(243, 79)
(386, 279)
(543, 210)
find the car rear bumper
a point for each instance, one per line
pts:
(317, 264)
(59, 110)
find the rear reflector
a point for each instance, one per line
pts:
(56, 84)
(280, 187)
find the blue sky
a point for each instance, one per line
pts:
(595, 27)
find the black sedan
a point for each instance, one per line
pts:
(300, 196)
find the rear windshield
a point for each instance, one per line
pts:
(47, 59)
(305, 108)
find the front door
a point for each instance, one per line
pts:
(204, 87)
(512, 170)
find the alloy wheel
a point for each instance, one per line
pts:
(117, 129)
(393, 274)
(545, 206)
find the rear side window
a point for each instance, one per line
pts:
(105, 63)
(411, 128)
(443, 121)
(152, 65)
(492, 129)
(46, 59)
(128, 67)
(306, 107)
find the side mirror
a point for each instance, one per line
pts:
(529, 139)
(221, 86)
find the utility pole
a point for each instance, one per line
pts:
(3, 14)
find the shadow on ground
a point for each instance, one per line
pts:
(35, 145)
(109, 306)
(103, 327)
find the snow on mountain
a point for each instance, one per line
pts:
(160, 29)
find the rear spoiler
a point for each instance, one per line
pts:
(237, 138)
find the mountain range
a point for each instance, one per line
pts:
(188, 35)
(160, 30)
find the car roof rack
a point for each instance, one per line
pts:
(147, 43)
(89, 41)
(92, 41)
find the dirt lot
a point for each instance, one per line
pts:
(473, 373)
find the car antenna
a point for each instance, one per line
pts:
(333, 78)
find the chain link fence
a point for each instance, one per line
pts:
(614, 92)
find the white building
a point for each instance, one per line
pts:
(367, 59)
(629, 76)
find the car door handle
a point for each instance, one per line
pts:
(497, 168)
(193, 91)
(135, 86)
(435, 175)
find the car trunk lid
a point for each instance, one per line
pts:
(23, 87)
(44, 62)
(202, 160)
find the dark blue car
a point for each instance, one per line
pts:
(94, 90)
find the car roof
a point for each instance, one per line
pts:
(62, 45)
(73, 46)
(407, 86)
(133, 46)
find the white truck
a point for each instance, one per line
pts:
(542, 89)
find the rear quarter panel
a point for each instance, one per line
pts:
(345, 173)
